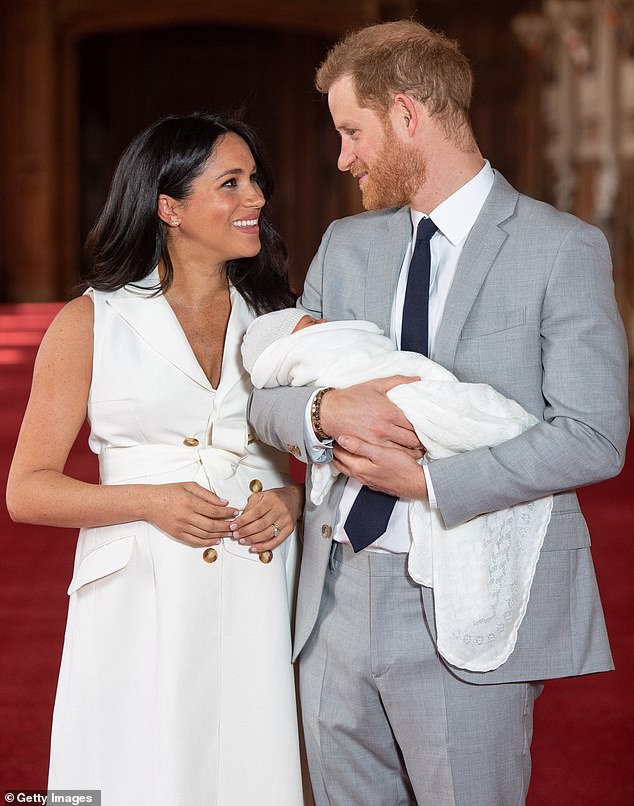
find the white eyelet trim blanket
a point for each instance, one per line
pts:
(481, 571)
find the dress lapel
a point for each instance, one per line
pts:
(153, 320)
(384, 264)
(478, 255)
(233, 370)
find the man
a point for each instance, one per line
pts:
(500, 289)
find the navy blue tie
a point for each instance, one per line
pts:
(370, 513)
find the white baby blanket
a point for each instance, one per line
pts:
(482, 570)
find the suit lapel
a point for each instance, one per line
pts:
(478, 255)
(384, 264)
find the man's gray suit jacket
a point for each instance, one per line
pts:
(532, 312)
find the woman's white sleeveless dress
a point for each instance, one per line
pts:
(176, 686)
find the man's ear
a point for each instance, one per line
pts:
(167, 210)
(405, 114)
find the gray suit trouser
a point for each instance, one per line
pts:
(385, 721)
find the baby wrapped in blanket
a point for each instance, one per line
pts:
(482, 570)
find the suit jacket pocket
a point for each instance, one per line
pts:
(567, 530)
(493, 322)
(103, 560)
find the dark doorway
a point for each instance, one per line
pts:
(129, 79)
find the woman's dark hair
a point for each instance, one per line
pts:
(128, 237)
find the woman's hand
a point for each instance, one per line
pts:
(269, 517)
(189, 513)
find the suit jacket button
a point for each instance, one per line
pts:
(266, 557)
(255, 486)
(326, 531)
(191, 442)
(210, 555)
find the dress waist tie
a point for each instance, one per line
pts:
(120, 465)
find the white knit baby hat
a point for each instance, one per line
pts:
(266, 329)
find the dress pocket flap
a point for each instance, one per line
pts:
(102, 561)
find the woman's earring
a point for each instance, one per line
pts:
(174, 222)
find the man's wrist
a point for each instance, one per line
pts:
(315, 414)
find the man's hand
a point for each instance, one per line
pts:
(365, 411)
(390, 470)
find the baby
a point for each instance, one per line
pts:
(481, 571)
(290, 348)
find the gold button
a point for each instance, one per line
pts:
(191, 442)
(210, 555)
(266, 557)
(255, 486)
(326, 531)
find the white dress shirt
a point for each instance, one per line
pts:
(454, 218)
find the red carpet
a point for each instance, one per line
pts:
(583, 727)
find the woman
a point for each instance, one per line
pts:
(176, 684)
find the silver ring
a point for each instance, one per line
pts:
(276, 531)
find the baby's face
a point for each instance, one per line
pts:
(307, 321)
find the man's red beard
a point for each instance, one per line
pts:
(395, 176)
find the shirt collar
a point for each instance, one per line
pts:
(455, 216)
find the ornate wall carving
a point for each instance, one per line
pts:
(582, 53)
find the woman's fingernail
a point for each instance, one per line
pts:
(236, 512)
(233, 526)
(242, 541)
(344, 441)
